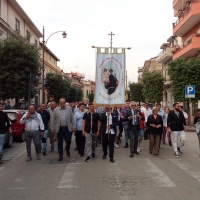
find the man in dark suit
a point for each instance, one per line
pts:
(113, 82)
(109, 121)
(133, 115)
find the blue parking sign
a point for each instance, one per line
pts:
(190, 91)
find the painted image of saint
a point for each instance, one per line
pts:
(113, 82)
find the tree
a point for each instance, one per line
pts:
(136, 92)
(183, 73)
(72, 94)
(153, 85)
(18, 59)
(57, 86)
(91, 97)
(79, 94)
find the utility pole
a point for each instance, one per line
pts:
(111, 42)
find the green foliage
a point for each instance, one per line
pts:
(153, 85)
(17, 59)
(136, 92)
(79, 94)
(91, 97)
(57, 86)
(72, 94)
(183, 73)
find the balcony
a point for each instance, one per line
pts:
(190, 48)
(187, 20)
(165, 55)
(179, 4)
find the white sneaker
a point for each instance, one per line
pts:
(116, 145)
(177, 154)
(138, 149)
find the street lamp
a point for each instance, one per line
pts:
(64, 35)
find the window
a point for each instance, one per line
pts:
(36, 43)
(86, 92)
(17, 24)
(28, 35)
(92, 91)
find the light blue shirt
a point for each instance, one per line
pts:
(78, 118)
(161, 112)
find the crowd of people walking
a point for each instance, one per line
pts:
(102, 125)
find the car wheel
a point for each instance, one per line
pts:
(21, 138)
(9, 142)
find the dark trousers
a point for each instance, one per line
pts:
(108, 139)
(133, 134)
(80, 142)
(64, 134)
(35, 136)
(120, 129)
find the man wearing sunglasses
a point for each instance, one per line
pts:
(133, 115)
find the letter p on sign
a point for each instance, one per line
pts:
(190, 91)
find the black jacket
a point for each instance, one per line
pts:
(157, 121)
(103, 120)
(4, 122)
(172, 121)
(129, 113)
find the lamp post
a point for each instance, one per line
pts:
(64, 35)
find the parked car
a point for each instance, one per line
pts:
(17, 128)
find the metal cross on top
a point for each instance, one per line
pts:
(111, 34)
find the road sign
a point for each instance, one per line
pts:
(190, 91)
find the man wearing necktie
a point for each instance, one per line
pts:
(108, 131)
(133, 115)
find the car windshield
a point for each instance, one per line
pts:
(12, 116)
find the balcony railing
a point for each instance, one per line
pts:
(185, 12)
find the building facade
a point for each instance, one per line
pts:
(14, 19)
(140, 72)
(164, 57)
(76, 79)
(187, 27)
(88, 88)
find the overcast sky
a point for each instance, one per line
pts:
(142, 25)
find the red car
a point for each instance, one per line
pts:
(17, 128)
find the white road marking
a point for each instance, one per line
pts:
(1, 168)
(160, 178)
(18, 188)
(17, 156)
(187, 168)
(68, 176)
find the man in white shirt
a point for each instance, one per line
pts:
(147, 111)
(34, 129)
(108, 125)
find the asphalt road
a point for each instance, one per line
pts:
(144, 177)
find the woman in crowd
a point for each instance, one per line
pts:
(155, 124)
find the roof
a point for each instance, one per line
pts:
(164, 45)
(50, 52)
(23, 14)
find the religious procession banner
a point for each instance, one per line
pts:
(110, 79)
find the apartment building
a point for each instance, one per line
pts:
(13, 18)
(76, 79)
(187, 27)
(140, 72)
(88, 88)
(152, 65)
(163, 58)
